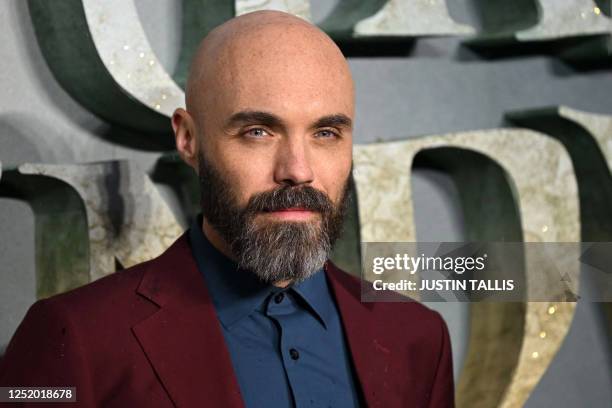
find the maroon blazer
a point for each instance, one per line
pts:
(149, 336)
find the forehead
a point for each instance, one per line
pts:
(299, 77)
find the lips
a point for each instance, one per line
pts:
(292, 213)
(290, 209)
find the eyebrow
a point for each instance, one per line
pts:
(252, 117)
(338, 120)
(273, 121)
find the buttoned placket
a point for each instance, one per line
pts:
(282, 307)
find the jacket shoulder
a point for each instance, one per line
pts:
(112, 289)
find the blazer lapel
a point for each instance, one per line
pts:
(183, 339)
(368, 351)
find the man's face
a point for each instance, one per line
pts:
(275, 126)
(271, 123)
(268, 126)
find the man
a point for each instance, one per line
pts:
(244, 309)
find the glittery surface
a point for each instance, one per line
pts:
(127, 55)
(412, 18)
(545, 188)
(300, 8)
(565, 18)
(126, 215)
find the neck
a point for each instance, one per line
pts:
(216, 240)
(223, 246)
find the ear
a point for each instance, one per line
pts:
(185, 137)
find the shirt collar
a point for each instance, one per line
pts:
(316, 295)
(237, 293)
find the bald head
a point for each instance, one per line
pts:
(270, 106)
(271, 47)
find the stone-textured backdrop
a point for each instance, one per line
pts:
(440, 87)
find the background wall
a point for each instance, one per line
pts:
(439, 87)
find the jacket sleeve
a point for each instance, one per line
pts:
(442, 391)
(46, 351)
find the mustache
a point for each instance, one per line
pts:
(285, 197)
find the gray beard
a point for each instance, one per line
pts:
(282, 251)
(273, 250)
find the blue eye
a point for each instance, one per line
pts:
(256, 132)
(326, 134)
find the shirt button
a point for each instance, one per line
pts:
(279, 297)
(294, 354)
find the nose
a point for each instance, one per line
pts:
(293, 165)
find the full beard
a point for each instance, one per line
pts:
(273, 250)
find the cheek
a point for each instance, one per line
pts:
(249, 174)
(333, 175)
